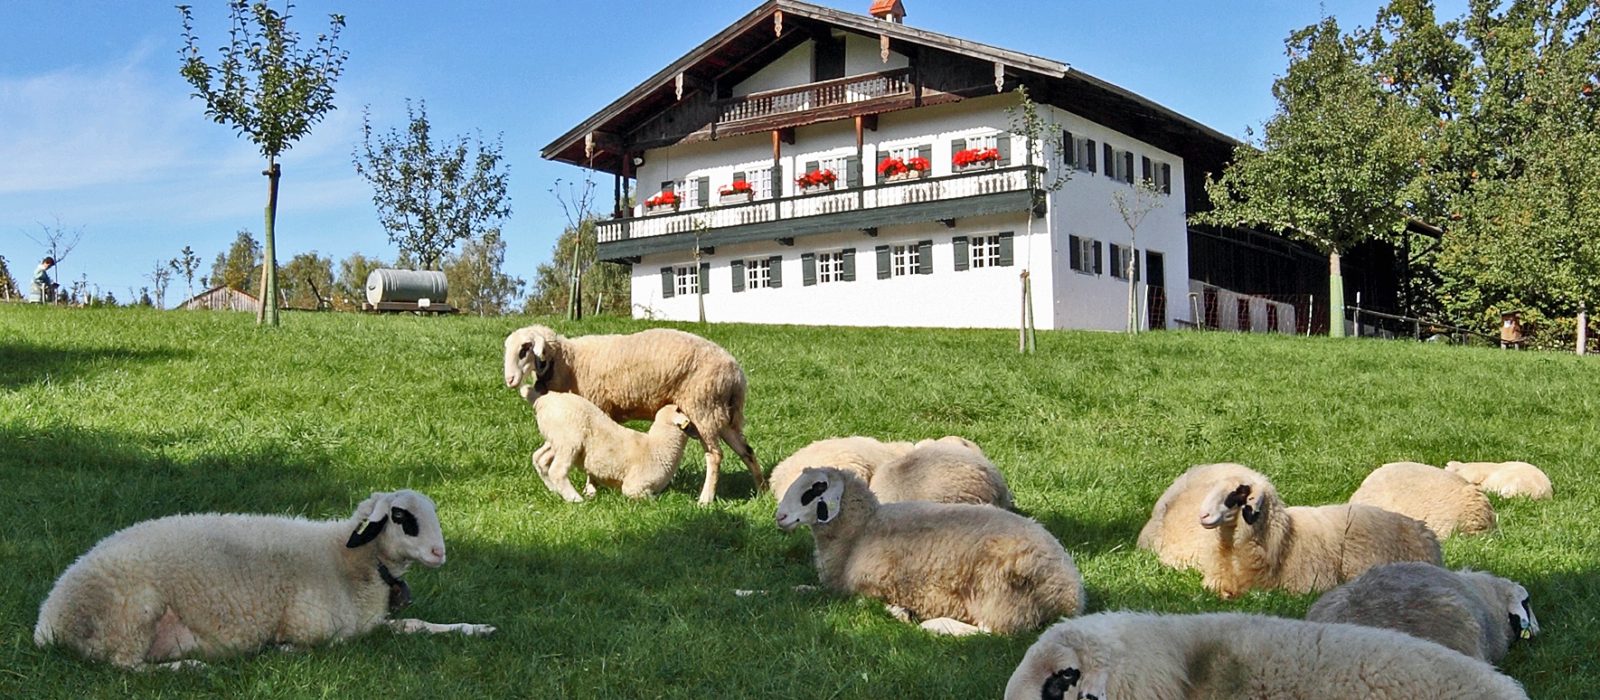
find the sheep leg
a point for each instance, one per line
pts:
(557, 477)
(542, 459)
(899, 613)
(732, 435)
(708, 492)
(588, 486)
(414, 626)
(951, 627)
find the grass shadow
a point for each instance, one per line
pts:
(23, 364)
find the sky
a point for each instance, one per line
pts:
(99, 132)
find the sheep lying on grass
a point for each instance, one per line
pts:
(1467, 611)
(1444, 502)
(960, 568)
(1508, 479)
(630, 377)
(209, 586)
(948, 470)
(1172, 531)
(856, 454)
(1255, 541)
(577, 433)
(1123, 655)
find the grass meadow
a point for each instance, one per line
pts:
(110, 417)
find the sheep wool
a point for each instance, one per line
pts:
(1443, 501)
(948, 470)
(1173, 531)
(856, 454)
(1508, 479)
(1123, 655)
(1475, 613)
(577, 433)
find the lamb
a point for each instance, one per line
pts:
(960, 568)
(1124, 655)
(1260, 543)
(578, 433)
(948, 470)
(1464, 610)
(214, 585)
(1444, 502)
(1509, 479)
(856, 454)
(630, 377)
(1171, 531)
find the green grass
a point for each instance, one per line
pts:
(115, 416)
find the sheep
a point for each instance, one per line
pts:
(1260, 543)
(961, 568)
(214, 585)
(1171, 531)
(947, 470)
(856, 454)
(578, 433)
(1444, 502)
(1126, 655)
(1464, 610)
(630, 377)
(1509, 479)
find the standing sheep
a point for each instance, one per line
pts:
(1171, 531)
(960, 568)
(630, 377)
(1444, 502)
(1125, 655)
(856, 454)
(212, 585)
(577, 433)
(1260, 543)
(1467, 611)
(947, 470)
(1509, 479)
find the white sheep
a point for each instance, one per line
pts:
(1472, 612)
(1172, 532)
(948, 470)
(213, 585)
(1509, 479)
(1258, 542)
(1444, 502)
(1127, 655)
(630, 377)
(856, 454)
(577, 433)
(960, 568)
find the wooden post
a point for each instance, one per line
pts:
(1583, 328)
(1335, 297)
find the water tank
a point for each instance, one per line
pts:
(386, 284)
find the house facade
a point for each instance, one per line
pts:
(813, 166)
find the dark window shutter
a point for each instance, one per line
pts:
(960, 245)
(705, 278)
(703, 188)
(1127, 167)
(1074, 252)
(1148, 172)
(777, 180)
(1002, 143)
(883, 262)
(738, 275)
(1166, 178)
(1116, 266)
(852, 171)
(847, 260)
(1136, 264)
(738, 176)
(1098, 259)
(775, 271)
(668, 186)
(808, 269)
(1088, 150)
(666, 283)
(926, 153)
(956, 146)
(1005, 249)
(1069, 149)
(924, 257)
(1110, 160)
(811, 167)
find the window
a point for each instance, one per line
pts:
(758, 273)
(691, 192)
(982, 142)
(985, 251)
(688, 277)
(1158, 175)
(1082, 153)
(1119, 164)
(830, 267)
(1121, 258)
(760, 182)
(1083, 255)
(907, 258)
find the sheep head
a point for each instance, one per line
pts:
(1231, 500)
(405, 526)
(813, 498)
(1523, 624)
(674, 416)
(528, 353)
(1059, 667)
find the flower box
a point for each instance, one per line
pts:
(816, 181)
(661, 202)
(894, 169)
(975, 158)
(735, 197)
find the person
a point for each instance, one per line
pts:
(44, 289)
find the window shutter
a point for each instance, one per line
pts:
(1098, 268)
(738, 275)
(1002, 143)
(1110, 160)
(848, 263)
(1166, 178)
(1088, 150)
(1136, 264)
(669, 186)
(702, 188)
(956, 146)
(777, 181)
(808, 269)
(960, 244)
(852, 171)
(666, 283)
(738, 176)
(926, 153)
(1074, 252)
(1005, 249)
(1149, 174)
(811, 167)
(1127, 167)
(705, 278)
(775, 271)
(924, 257)
(1116, 256)
(883, 262)
(1069, 149)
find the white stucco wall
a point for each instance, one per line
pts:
(861, 55)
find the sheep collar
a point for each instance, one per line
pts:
(399, 592)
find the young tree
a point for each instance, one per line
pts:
(606, 287)
(307, 280)
(477, 284)
(238, 268)
(1133, 206)
(187, 263)
(1040, 135)
(271, 91)
(58, 242)
(350, 289)
(8, 284)
(431, 194)
(159, 278)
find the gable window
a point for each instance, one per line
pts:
(688, 279)
(1083, 255)
(906, 259)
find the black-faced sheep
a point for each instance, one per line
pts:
(576, 433)
(630, 377)
(1172, 531)
(1508, 479)
(1444, 502)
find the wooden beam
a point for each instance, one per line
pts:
(786, 134)
(871, 231)
(777, 23)
(948, 223)
(597, 142)
(786, 240)
(870, 121)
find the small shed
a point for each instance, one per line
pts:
(222, 299)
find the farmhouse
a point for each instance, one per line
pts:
(813, 166)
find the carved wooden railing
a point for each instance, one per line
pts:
(859, 88)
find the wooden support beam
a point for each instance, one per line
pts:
(787, 135)
(686, 83)
(948, 223)
(871, 231)
(786, 240)
(708, 250)
(597, 142)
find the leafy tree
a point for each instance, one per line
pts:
(1039, 134)
(239, 267)
(477, 283)
(271, 91)
(431, 194)
(187, 263)
(607, 286)
(159, 278)
(307, 280)
(350, 289)
(8, 284)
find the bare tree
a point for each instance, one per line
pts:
(1133, 207)
(159, 278)
(577, 204)
(1040, 134)
(188, 263)
(57, 241)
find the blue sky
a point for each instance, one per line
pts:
(98, 131)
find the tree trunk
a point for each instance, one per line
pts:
(1335, 297)
(268, 313)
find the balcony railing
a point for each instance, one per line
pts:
(841, 91)
(972, 183)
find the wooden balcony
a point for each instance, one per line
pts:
(832, 95)
(972, 193)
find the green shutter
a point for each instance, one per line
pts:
(775, 272)
(960, 244)
(1098, 259)
(883, 262)
(848, 263)
(705, 278)
(666, 283)
(957, 145)
(926, 153)
(702, 188)
(924, 257)
(1069, 153)
(738, 175)
(1127, 167)
(852, 171)
(1002, 143)
(1166, 178)
(1148, 172)
(1075, 253)
(1089, 151)
(811, 167)
(1005, 249)
(808, 269)
(738, 275)
(777, 181)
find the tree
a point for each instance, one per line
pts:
(1037, 133)
(307, 281)
(432, 194)
(238, 268)
(187, 263)
(270, 91)
(477, 284)
(605, 287)
(58, 241)
(8, 284)
(1133, 207)
(1335, 162)
(159, 278)
(350, 289)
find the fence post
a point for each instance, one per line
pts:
(1583, 328)
(1194, 310)
(1355, 319)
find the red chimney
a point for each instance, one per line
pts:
(888, 10)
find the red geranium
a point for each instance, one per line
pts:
(738, 187)
(919, 163)
(973, 156)
(663, 199)
(891, 166)
(816, 178)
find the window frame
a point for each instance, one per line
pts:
(681, 275)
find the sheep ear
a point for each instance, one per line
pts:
(538, 347)
(366, 532)
(1252, 510)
